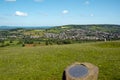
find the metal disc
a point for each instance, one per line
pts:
(78, 71)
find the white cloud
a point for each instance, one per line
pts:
(65, 12)
(19, 13)
(38, 0)
(10, 0)
(87, 2)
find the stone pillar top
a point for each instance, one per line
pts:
(81, 71)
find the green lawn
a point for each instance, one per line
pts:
(49, 62)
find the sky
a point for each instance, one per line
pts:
(58, 12)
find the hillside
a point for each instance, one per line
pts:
(66, 34)
(84, 32)
(94, 27)
(49, 62)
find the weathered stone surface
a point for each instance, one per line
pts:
(81, 71)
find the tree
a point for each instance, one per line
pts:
(46, 42)
(23, 45)
(11, 41)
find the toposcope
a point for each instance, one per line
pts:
(81, 71)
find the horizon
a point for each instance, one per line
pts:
(54, 25)
(58, 12)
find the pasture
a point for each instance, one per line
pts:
(49, 62)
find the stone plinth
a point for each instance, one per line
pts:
(81, 71)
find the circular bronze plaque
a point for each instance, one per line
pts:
(78, 71)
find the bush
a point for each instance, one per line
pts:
(2, 45)
(46, 42)
(20, 42)
(7, 44)
(11, 41)
(23, 45)
(67, 42)
(64, 42)
(28, 41)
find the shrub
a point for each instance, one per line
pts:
(23, 45)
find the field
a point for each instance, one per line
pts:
(49, 62)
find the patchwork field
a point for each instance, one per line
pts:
(49, 62)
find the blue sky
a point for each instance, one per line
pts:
(58, 12)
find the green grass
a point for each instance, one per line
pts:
(49, 62)
(109, 45)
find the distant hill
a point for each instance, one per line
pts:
(23, 27)
(65, 34)
(95, 27)
(84, 32)
(6, 27)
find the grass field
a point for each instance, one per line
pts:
(49, 62)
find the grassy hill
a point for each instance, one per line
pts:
(92, 27)
(49, 62)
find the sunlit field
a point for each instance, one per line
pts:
(49, 62)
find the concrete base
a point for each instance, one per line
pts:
(92, 73)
